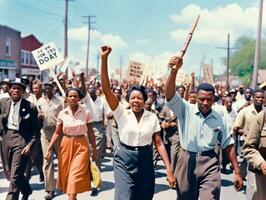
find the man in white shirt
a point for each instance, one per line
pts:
(99, 109)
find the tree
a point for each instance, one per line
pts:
(241, 60)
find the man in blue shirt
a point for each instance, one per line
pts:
(200, 130)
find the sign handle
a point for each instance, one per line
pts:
(57, 82)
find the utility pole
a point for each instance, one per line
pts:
(228, 57)
(65, 33)
(228, 60)
(257, 50)
(121, 66)
(89, 22)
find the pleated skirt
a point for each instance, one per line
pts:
(73, 165)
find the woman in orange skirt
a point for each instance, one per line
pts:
(73, 157)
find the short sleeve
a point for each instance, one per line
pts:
(157, 126)
(59, 120)
(118, 112)
(240, 120)
(178, 106)
(226, 138)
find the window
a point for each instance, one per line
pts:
(22, 57)
(8, 47)
(27, 58)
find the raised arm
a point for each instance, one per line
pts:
(111, 99)
(175, 64)
(83, 84)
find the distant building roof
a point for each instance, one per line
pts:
(30, 43)
(7, 27)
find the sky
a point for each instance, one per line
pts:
(138, 30)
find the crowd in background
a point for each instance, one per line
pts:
(238, 105)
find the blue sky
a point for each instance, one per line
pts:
(137, 29)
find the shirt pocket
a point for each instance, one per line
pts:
(214, 136)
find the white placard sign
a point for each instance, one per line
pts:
(135, 71)
(47, 56)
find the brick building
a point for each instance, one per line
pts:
(9, 52)
(28, 64)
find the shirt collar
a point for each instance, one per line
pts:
(252, 107)
(68, 111)
(145, 112)
(16, 103)
(213, 113)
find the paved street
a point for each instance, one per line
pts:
(162, 192)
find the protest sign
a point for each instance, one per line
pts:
(47, 56)
(135, 71)
(207, 72)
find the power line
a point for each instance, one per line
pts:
(28, 10)
(31, 7)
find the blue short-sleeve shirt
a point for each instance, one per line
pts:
(196, 132)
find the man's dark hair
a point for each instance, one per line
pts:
(206, 87)
(258, 91)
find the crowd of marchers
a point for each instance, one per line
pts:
(198, 130)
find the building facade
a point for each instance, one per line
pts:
(28, 64)
(9, 52)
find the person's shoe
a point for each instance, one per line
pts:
(41, 177)
(94, 192)
(49, 195)
(26, 196)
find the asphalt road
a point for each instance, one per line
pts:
(162, 191)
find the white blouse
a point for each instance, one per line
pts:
(133, 133)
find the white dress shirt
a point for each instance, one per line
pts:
(98, 108)
(13, 117)
(134, 133)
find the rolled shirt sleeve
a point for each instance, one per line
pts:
(251, 145)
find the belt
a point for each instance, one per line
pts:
(74, 136)
(12, 130)
(136, 148)
(209, 153)
(97, 122)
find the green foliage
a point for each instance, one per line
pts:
(242, 58)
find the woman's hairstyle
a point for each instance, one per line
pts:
(80, 93)
(141, 89)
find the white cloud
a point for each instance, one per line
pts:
(81, 34)
(215, 24)
(142, 41)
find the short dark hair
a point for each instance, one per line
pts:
(117, 89)
(141, 89)
(181, 86)
(248, 88)
(258, 91)
(206, 87)
(80, 93)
